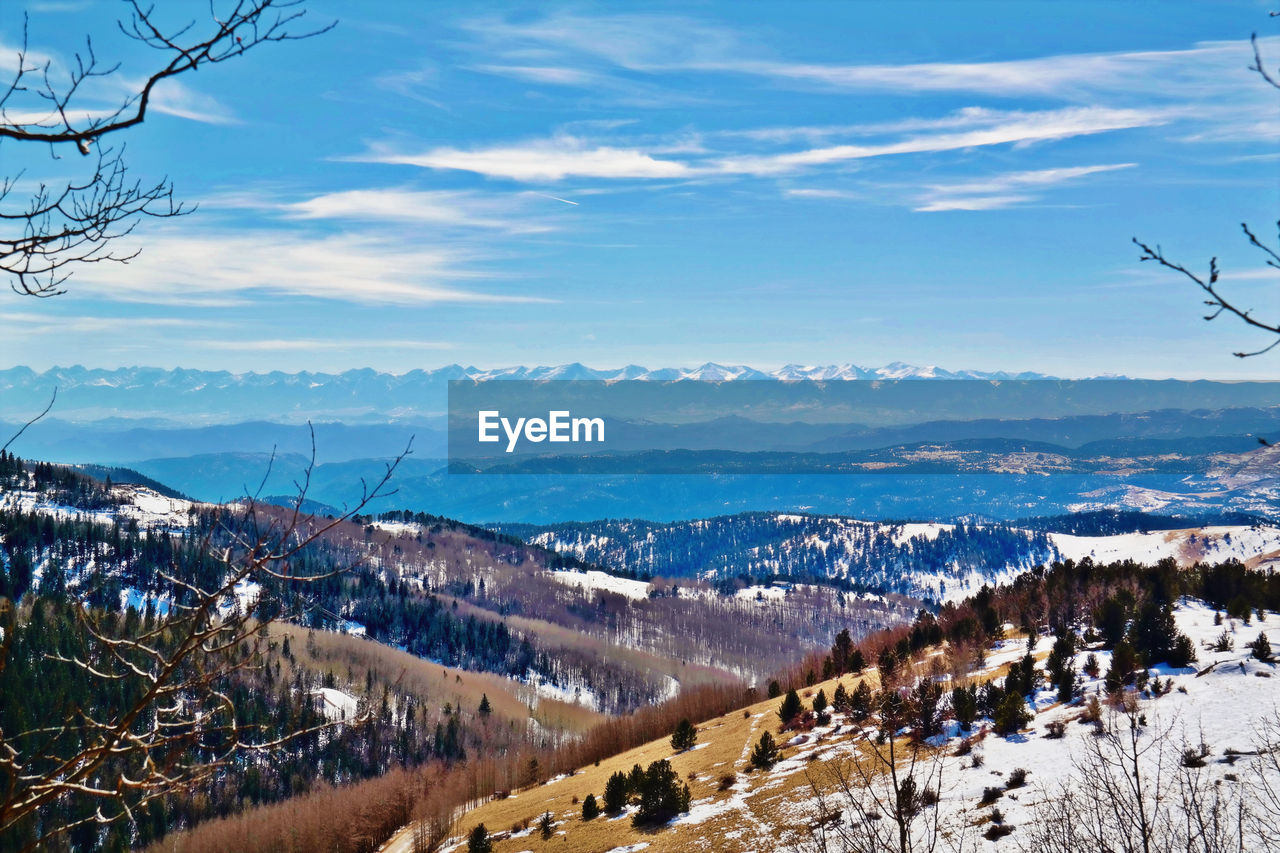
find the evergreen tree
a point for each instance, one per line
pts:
(1124, 660)
(765, 754)
(590, 809)
(662, 796)
(485, 708)
(615, 793)
(790, 708)
(546, 826)
(635, 781)
(1011, 715)
(478, 841)
(1111, 618)
(860, 701)
(1261, 647)
(925, 699)
(820, 702)
(1065, 683)
(887, 664)
(840, 700)
(964, 704)
(841, 650)
(684, 737)
(857, 662)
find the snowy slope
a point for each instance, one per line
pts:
(1219, 702)
(1256, 546)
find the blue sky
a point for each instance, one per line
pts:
(674, 183)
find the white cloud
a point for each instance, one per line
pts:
(659, 43)
(1023, 128)
(1191, 73)
(1003, 190)
(539, 160)
(25, 324)
(175, 98)
(560, 76)
(225, 268)
(821, 193)
(563, 156)
(509, 212)
(986, 202)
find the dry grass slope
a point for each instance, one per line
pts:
(724, 744)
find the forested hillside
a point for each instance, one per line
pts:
(415, 642)
(924, 560)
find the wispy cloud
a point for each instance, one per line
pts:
(226, 268)
(565, 156)
(991, 192)
(659, 43)
(1004, 190)
(1024, 128)
(537, 160)
(1066, 76)
(175, 98)
(513, 212)
(556, 75)
(26, 324)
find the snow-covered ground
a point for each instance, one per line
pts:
(597, 580)
(1206, 544)
(762, 593)
(1219, 702)
(139, 503)
(336, 704)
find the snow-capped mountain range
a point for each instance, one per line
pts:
(217, 396)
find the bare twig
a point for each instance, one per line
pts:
(52, 399)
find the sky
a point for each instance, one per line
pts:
(668, 184)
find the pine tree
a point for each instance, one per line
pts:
(546, 826)
(635, 781)
(820, 702)
(964, 704)
(860, 701)
(1261, 647)
(1011, 715)
(840, 700)
(478, 841)
(590, 809)
(662, 796)
(887, 662)
(485, 708)
(840, 651)
(790, 708)
(1066, 684)
(615, 793)
(1124, 660)
(765, 754)
(684, 737)
(857, 661)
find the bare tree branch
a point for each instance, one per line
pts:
(178, 726)
(47, 233)
(1218, 303)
